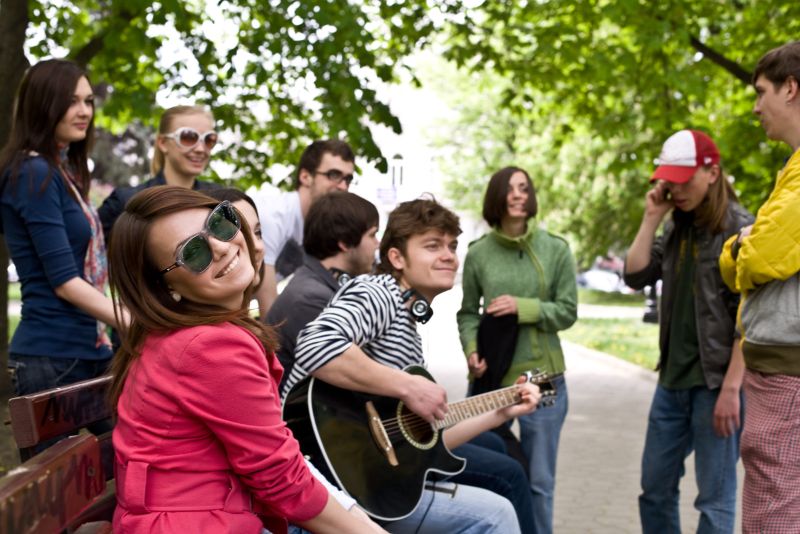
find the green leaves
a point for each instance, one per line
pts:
(276, 73)
(594, 87)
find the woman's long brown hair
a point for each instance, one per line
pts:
(711, 212)
(43, 98)
(138, 286)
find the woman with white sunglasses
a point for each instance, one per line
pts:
(181, 153)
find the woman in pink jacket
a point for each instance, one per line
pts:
(200, 445)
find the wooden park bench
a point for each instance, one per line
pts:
(65, 487)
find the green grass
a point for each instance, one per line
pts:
(13, 321)
(603, 298)
(14, 291)
(629, 339)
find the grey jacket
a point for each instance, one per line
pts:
(300, 302)
(771, 322)
(715, 305)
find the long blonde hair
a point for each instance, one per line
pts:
(167, 124)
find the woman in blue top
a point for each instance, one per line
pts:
(53, 233)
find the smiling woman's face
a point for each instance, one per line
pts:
(227, 277)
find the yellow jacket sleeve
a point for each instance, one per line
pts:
(772, 250)
(727, 264)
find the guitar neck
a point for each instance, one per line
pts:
(478, 405)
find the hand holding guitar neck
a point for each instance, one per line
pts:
(529, 394)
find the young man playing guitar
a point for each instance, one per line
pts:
(367, 335)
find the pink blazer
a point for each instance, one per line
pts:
(200, 445)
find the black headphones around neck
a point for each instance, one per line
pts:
(342, 277)
(420, 310)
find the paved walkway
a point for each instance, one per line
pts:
(602, 440)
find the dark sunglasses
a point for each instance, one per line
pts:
(195, 253)
(189, 137)
(336, 176)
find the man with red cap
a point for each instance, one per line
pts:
(697, 403)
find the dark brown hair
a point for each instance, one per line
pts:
(337, 217)
(167, 124)
(232, 195)
(44, 97)
(712, 210)
(779, 63)
(495, 201)
(138, 286)
(411, 218)
(312, 156)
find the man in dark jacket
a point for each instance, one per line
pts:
(697, 402)
(340, 242)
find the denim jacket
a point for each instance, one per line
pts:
(715, 305)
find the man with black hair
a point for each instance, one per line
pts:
(340, 242)
(325, 166)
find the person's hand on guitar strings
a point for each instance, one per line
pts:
(425, 398)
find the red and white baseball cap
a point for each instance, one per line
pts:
(682, 154)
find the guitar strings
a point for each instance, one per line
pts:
(412, 422)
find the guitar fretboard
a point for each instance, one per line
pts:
(477, 405)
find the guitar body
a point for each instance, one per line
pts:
(332, 426)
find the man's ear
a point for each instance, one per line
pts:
(396, 259)
(305, 178)
(715, 174)
(342, 246)
(792, 88)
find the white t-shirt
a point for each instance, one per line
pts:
(281, 227)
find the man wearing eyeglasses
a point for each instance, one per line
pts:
(325, 166)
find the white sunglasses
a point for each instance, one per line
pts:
(189, 137)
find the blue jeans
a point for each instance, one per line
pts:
(455, 509)
(539, 433)
(681, 421)
(489, 467)
(459, 509)
(32, 374)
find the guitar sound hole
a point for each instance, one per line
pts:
(416, 430)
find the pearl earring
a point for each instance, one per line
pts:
(175, 296)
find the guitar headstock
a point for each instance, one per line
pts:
(545, 383)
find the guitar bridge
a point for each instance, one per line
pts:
(379, 434)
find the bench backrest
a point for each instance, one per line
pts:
(47, 414)
(49, 491)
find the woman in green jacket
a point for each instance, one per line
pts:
(519, 269)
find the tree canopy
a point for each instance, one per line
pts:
(583, 94)
(276, 73)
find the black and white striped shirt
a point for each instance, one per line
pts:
(368, 312)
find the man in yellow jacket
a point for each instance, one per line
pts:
(763, 263)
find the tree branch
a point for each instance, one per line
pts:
(93, 47)
(731, 66)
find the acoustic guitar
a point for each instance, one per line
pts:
(375, 448)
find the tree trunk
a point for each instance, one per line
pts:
(13, 22)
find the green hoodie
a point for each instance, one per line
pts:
(536, 268)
